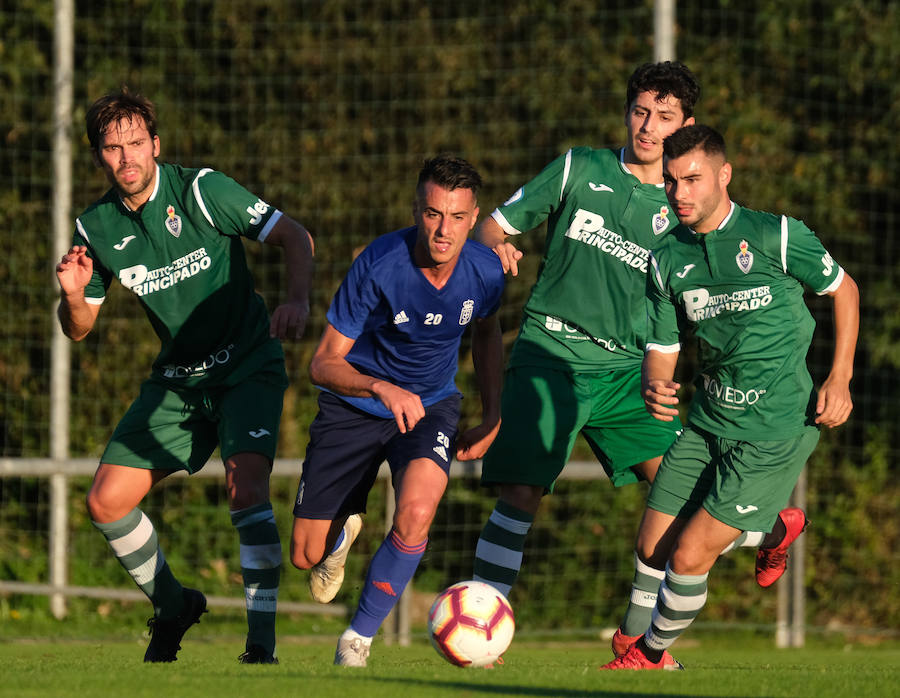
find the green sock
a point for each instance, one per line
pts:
(261, 569)
(681, 597)
(644, 590)
(134, 542)
(498, 555)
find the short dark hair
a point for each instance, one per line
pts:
(688, 138)
(666, 78)
(113, 107)
(450, 172)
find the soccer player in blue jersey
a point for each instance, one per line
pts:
(386, 365)
(172, 236)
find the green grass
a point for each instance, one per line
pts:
(717, 665)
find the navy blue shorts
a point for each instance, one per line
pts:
(347, 446)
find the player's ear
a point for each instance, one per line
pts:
(725, 174)
(95, 156)
(155, 146)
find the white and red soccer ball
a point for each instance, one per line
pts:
(471, 624)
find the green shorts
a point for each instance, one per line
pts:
(169, 429)
(741, 483)
(544, 410)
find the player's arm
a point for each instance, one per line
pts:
(289, 318)
(487, 357)
(76, 315)
(490, 234)
(658, 386)
(834, 405)
(330, 369)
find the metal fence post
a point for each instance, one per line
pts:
(63, 77)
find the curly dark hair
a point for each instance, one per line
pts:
(666, 78)
(111, 108)
(450, 172)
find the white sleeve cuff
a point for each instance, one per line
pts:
(833, 286)
(264, 233)
(663, 348)
(503, 223)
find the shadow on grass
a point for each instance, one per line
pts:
(421, 686)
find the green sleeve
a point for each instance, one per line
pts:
(535, 201)
(101, 278)
(230, 207)
(806, 259)
(662, 313)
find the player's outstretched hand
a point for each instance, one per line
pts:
(659, 398)
(74, 270)
(406, 407)
(509, 257)
(834, 404)
(289, 320)
(473, 443)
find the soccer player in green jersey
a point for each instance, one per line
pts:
(734, 277)
(172, 236)
(575, 366)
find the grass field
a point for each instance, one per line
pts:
(717, 665)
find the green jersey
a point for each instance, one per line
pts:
(741, 290)
(182, 256)
(586, 309)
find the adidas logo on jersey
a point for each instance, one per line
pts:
(400, 318)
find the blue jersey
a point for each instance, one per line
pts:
(406, 331)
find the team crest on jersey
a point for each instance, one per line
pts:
(173, 222)
(661, 220)
(744, 257)
(465, 315)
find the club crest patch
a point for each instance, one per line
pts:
(173, 222)
(661, 220)
(465, 315)
(744, 257)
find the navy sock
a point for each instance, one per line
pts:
(392, 566)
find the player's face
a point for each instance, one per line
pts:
(697, 189)
(649, 121)
(127, 154)
(444, 218)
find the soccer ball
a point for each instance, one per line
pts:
(471, 624)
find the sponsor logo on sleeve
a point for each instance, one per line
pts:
(257, 211)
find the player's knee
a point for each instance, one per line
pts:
(652, 553)
(299, 557)
(524, 497)
(412, 522)
(101, 508)
(245, 494)
(687, 560)
(306, 550)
